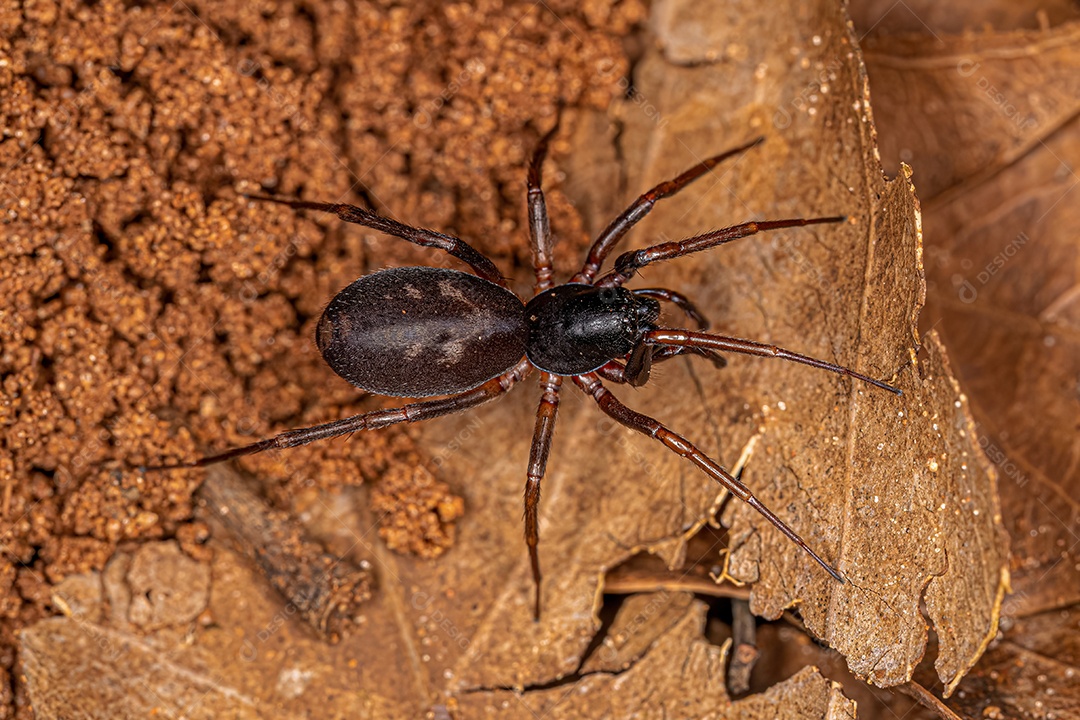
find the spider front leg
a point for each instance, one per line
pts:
(627, 264)
(615, 371)
(546, 414)
(608, 403)
(613, 233)
(685, 338)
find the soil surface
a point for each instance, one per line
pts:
(151, 314)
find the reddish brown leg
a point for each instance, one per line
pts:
(627, 264)
(539, 225)
(612, 371)
(686, 338)
(418, 236)
(641, 207)
(718, 360)
(546, 414)
(547, 411)
(616, 371)
(413, 412)
(592, 386)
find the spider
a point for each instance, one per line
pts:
(422, 332)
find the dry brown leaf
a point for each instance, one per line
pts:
(914, 490)
(1006, 296)
(104, 658)
(1003, 273)
(94, 663)
(883, 17)
(966, 107)
(1032, 671)
(104, 673)
(678, 675)
(643, 619)
(1003, 284)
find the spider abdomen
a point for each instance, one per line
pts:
(576, 328)
(421, 331)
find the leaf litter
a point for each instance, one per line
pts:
(906, 521)
(1003, 279)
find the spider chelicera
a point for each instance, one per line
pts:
(423, 332)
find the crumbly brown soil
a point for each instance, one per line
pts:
(151, 314)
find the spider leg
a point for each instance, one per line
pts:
(627, 264)
(539, 225)
(665, 353)
(615, 371)
(685, 338)
(608, 403)
(418, 236)
(641, 359)
(546, 414)
(413, 412)
(641, 207)
(612, 370)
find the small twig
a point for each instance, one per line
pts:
(627, 582)
(746, 653)
(324, 590)
(928, 700)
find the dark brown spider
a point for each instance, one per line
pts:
(422, 332)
